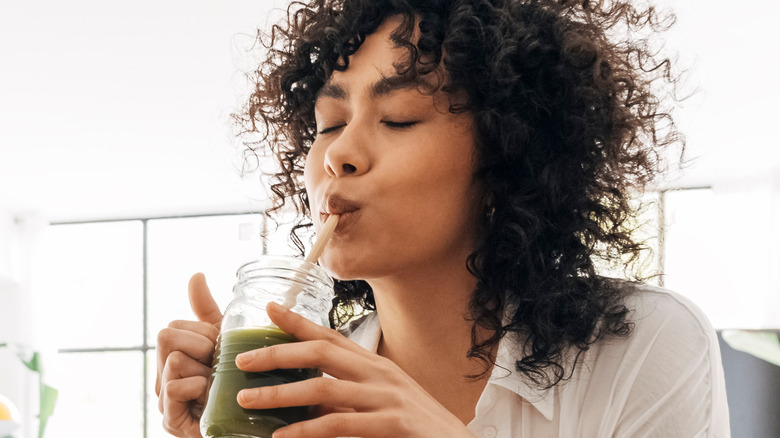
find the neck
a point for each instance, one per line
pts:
(427, 332)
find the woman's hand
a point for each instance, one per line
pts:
(185, 352)
(370, 396)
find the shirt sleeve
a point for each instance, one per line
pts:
(670, 381)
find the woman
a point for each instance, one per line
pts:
(481, 156)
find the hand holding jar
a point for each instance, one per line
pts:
(185, 351)
(246, 326)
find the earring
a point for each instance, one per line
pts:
(490, 209)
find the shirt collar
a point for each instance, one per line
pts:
(366, 333)
(506, 375)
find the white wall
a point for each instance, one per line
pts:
(722, 250)
(115, 109)
(18, 240)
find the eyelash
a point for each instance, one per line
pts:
(399, 125)
(331, 129)
(389, 124)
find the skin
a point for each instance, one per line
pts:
(184, 353)
(405, 166)
(404, 160)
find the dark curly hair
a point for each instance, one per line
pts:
(570, 124)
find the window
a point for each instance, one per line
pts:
(107, 288)
(719, 253)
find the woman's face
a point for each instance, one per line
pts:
(397, 167)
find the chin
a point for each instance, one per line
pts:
(342, 273)
(344, 268)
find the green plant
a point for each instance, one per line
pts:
(48, 395)
(762, 344)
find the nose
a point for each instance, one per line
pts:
(347, 155)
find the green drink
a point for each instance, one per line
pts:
(246, 326)
(223, 416)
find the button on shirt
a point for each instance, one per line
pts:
(664, 381)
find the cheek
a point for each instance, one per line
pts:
(443, 196)
(312, 170)
(307, 174)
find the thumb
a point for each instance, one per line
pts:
(201, 301)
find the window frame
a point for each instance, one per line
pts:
(145, 348)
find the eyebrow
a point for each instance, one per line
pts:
(382, 87)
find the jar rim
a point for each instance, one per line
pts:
(294, 264)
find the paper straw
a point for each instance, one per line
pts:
(291, 297)
(322, 238)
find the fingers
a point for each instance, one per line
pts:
(343, 424)
(312, 392)
(184, 357)
(193, 338)
(333, 360)
(180, 366)
(175, 336)
(179, 396)
(320, 347)
(321, 410)
(202, 302)
(305, 330)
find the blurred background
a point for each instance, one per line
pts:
(120, 176)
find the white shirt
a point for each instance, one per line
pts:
(664, 381)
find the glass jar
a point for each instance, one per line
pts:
(246, 326)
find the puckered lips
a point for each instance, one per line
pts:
(347, 210)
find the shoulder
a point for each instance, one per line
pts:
(665, 379)
(671, 339)
(655, 311)
(668, 330)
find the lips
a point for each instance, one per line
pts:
(347, 210)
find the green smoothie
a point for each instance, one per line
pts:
(223, 417)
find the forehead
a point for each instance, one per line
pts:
(374, 68)
(376, 56)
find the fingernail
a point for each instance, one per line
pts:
(243, 397)
(243, 358)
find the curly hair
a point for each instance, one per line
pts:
(569, 124)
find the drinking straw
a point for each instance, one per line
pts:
(322, 238)
(291, 297)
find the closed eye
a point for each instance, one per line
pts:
(399, 125)
(330, 129)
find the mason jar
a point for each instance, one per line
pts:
(246, 326)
